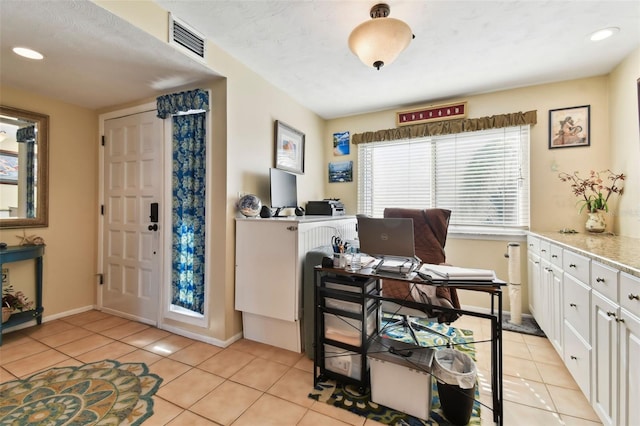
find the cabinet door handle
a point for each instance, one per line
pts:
(634, 296)
(572, 265)
(611, 314)
(599, 280)
(573, 357)
(543, 250)
(537, 263)
(530, 245)
(292, 228)
(620, 320)
(554, 256)
(573, 305)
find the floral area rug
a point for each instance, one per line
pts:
(349, 398)
(101, 393)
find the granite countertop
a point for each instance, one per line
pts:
(622, 253)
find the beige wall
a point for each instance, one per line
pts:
(71, 237)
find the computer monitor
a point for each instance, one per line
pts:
(284, 190)
(380, 237)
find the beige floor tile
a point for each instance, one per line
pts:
(84, 345)
(510, 336)
(5, 376)
(313, 418)
(536, 341)
(226, 402)
(519, 367)
(576, 421)
(105, 323)
(140, 355)
(572, 402)
(369, 422)
(269, 410)
(48, 329)
(226, 363)
(145, 337)
(294, 386)
(523, 415)
(13, 338)
(124, 330)
(190, 387)
(187, 418)
(557, 375)
(196, 353)
(69, 362)
(516, 349)
(260, 374)
(281, 356)
(86, 317)
(113, 350)
(250, 346)
(546, 354)
(163, 412)
(168, 369)
(68, 336)
(30, 364)
(17, 351)
(527, 392)
(169, 345)
(305, 364)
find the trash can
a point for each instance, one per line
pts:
(455, 374)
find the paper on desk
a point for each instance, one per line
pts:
(457, 273)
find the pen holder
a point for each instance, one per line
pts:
(339, 260)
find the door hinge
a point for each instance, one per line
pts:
(100, 279)
(102, 209)
(103, 140)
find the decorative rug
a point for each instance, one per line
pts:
(528, 325)
(349, 398)
(101, 393)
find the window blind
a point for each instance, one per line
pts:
(482, 177)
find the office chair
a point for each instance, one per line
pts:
(430, 227)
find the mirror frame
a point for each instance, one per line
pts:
(42, 213)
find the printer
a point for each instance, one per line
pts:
(326, 207)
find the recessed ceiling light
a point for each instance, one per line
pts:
(604, 33)
(27, 53)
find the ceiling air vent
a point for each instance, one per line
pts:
(180, 34)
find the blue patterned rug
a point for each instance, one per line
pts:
(349, 398)
(104, 392)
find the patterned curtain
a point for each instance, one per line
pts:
(188, 190)
(27, 135)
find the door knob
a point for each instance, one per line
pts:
(153, 227)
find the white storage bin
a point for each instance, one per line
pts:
(347, 330)
(351, 288)
(343, 362)
(398, 381)
(343, 305)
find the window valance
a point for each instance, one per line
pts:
(175, 103)
(26, 134)
(447, 127)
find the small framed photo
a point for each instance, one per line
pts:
(341, 143)
(569, 127)
(289, 144)
(341, 171)
(8, 167)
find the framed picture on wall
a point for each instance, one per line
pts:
(569, 127)
(341, 143)
(8, 167)
(289, 144)
(340, 171)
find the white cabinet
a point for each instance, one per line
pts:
(269, 260)
(604, 340)
(533, 274)
(553, 288)
(629, 351)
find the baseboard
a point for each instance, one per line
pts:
(48, 318)
(487, 310)
(200, 337)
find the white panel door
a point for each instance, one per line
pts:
(132, 245)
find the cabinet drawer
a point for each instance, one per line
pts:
(630, 293)
(344, 362)
(352, 287)
(346, 306)
(555, 255)
(545, 250)
(605, 280)
(577, 358)
(348, 330)
(577, 305)
(575, 265)
(533, 245)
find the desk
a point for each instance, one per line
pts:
(16, 254)
(491, 288)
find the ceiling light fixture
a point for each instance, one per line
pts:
(603, 33)
(378, 42)
(28, 53)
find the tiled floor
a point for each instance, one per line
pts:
(251, 383)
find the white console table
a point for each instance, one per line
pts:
(269, 268)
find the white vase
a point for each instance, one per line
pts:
(595, 222)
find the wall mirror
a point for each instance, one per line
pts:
(24, 154)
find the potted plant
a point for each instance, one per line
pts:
(595, 191)
(13, 301)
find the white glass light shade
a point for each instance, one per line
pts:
(380, 40)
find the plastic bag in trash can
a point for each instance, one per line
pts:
(455, 368)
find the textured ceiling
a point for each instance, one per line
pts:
(461, 48)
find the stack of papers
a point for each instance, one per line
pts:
(456, 273)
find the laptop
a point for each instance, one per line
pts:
(386, 237)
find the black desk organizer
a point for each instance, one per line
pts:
(341, 305)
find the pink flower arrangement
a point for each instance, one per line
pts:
(594, 189)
